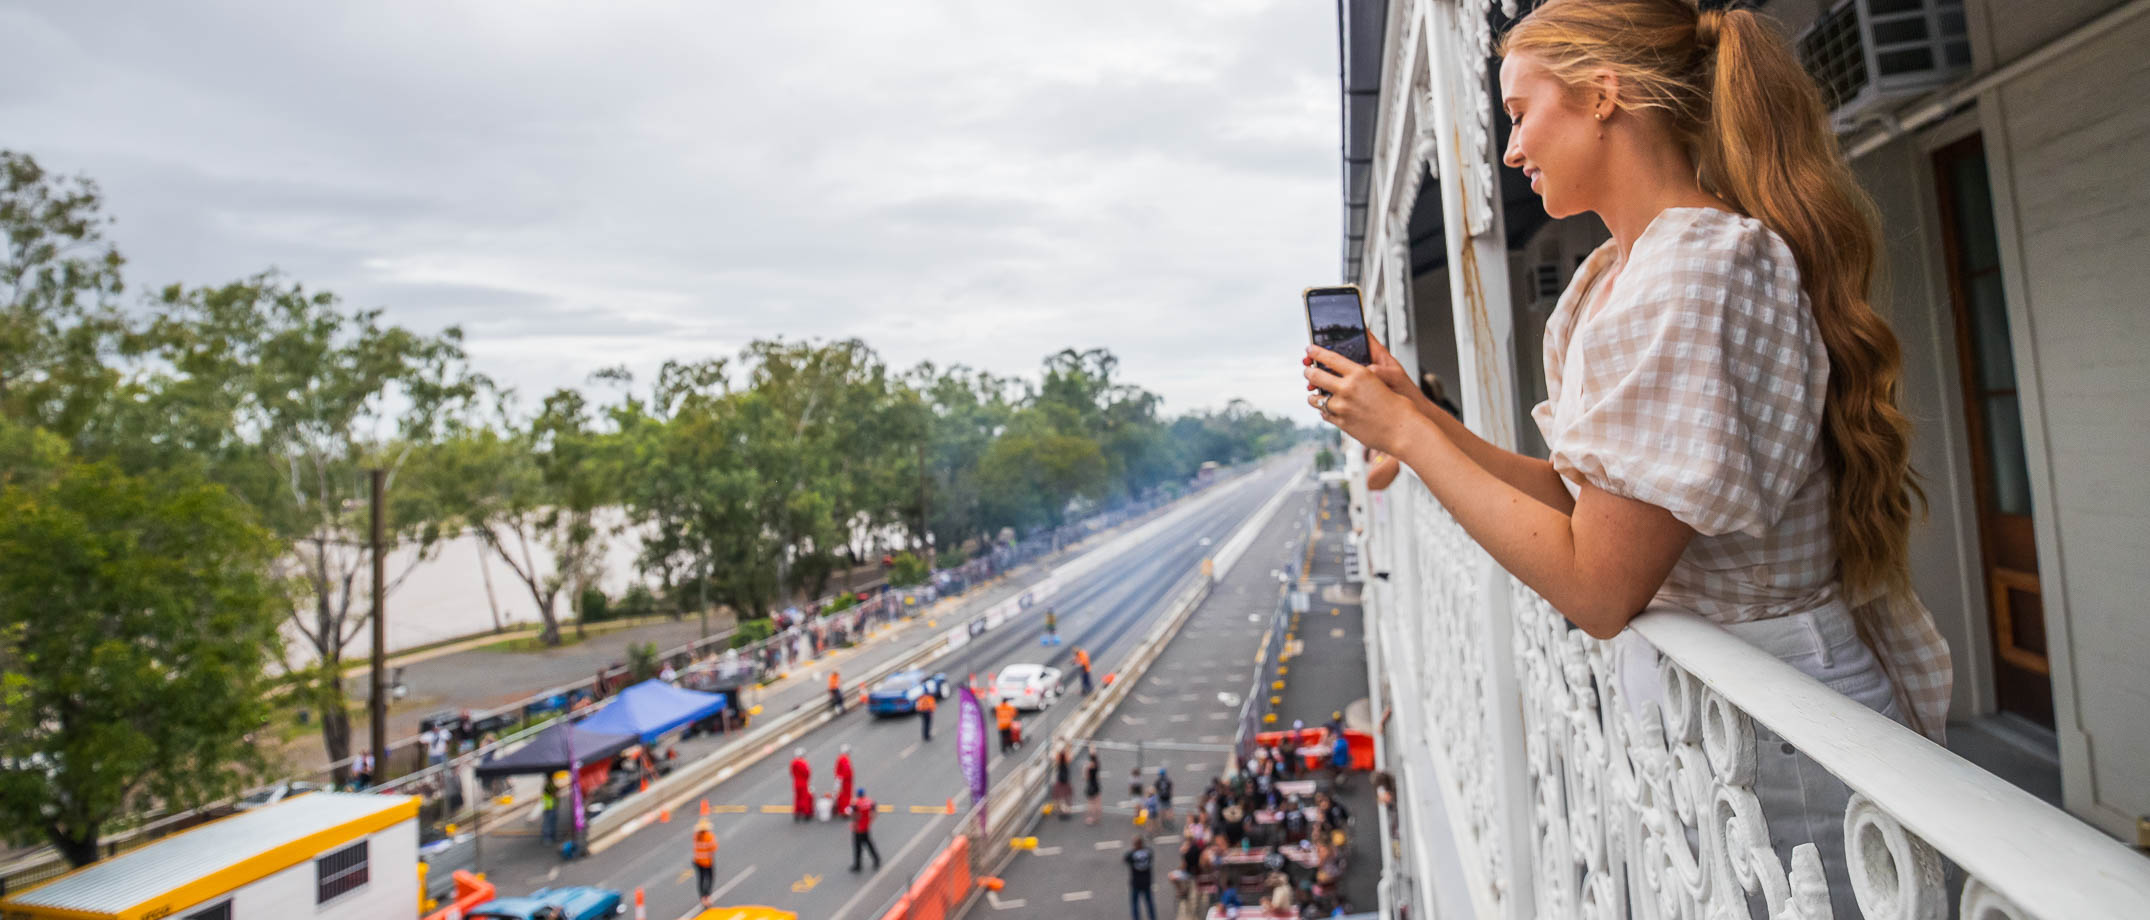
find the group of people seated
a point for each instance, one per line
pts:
(1250, 842)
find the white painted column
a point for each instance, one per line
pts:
(1484, 317)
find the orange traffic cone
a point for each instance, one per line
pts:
(951, 804)
(641, 913)
(705, 808)
(664, 816)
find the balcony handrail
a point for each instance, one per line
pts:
(2042, 859)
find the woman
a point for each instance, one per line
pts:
(1063, 788)
(1092, 790)
(1723, 426)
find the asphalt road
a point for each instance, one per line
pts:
(767, 859)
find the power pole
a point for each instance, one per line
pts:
(377, 718)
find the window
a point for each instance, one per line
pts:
(340, 872)
(219, 912)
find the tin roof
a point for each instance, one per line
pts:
(190, 867)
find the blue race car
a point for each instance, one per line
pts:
(898, 693)
(577, 903)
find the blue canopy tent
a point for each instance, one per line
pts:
(653, 708)
(548, 752)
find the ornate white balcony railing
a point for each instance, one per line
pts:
(1650, 811)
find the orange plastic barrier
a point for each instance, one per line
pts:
(940, 889)
(1361, 744)
(470, 891)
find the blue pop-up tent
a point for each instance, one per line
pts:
(653, 708)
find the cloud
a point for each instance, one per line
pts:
(579, 185)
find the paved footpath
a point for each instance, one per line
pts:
(1184, 714)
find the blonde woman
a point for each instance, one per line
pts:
(1723, 426)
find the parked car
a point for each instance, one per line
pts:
(1028, 686)
(577, 903)
(898, 693)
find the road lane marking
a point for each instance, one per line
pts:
(913, 749)
(924, 834)
(805, 883)
(1076, 896)
(776, 809)
(1046, 851)
(1182, 717)
(727, 887)
(1108, 844)
(728, 809)
(1132, 720)
(1009, 904)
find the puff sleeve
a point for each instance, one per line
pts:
(1703, 381)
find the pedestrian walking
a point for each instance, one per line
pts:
(549, 803)
(1339, 760)
(1004, 716)
(802, 792)
(1139, 861)
(1063, 789)
(1164, 792)
(1082, 664)
(362, 769)
(836, 692)
(862, 810)
(705, 860)
(1052, 627)
(843, 780)
(435, 741)
(1092, 789)
(926, 705)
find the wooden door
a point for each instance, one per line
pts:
(1994, 420)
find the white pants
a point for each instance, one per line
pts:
(1801, 802)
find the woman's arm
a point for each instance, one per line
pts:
(1599, 566)
(1533, 476)
(1382, 473)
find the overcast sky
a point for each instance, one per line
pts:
(586, 184)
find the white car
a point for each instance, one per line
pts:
(1028, 686)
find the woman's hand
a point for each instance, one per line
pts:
(1358, 400)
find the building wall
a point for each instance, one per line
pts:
(2067, 143)
(390, 891)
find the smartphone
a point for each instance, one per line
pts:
(1335, 321)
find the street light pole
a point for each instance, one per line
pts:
(377, 717)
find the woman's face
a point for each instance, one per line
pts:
(1555, 138)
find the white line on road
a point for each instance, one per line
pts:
(1182, 717)
(1047, 851)
(1131, 720)
(1076, 896)
(924, 834)
(1165, 839)
(1108, 844)
(1009, 904)
(913, 749)
(719, 894)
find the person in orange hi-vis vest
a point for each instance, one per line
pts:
(926, 705)
(705, 859)
(1004, 716)
(1082, 663)
(836, 691)
(843, 780)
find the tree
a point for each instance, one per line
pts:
(291, 399)
(60, 275)
(138, 619)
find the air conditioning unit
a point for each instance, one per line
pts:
(1868, 53)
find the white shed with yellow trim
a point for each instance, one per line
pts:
(327, 856)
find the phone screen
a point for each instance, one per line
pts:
(1338, 323)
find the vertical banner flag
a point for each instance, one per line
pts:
(970, 746)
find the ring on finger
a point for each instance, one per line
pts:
(1323, 402)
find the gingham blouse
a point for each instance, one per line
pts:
(1696, 385)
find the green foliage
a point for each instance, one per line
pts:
(643, 662)
(637, 602)
(909, 570)
(138, 621)
(595, 607)
(1324, 460)
(60, 325)
(752, 631)
(841, 603)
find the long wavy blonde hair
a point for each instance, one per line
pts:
(1732, 89)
